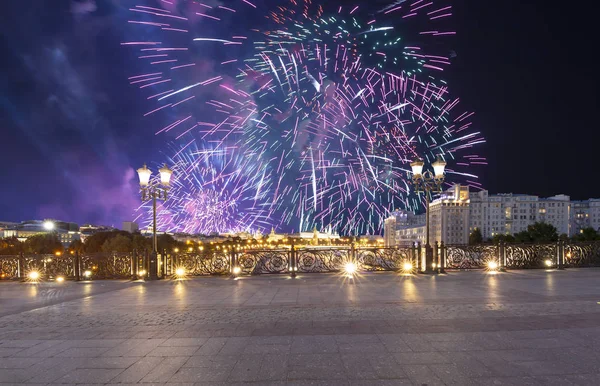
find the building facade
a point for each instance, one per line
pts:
(584, 214)
(507, 214)
(458, 212)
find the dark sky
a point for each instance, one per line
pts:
(71, 133)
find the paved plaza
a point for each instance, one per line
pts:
(465, 328)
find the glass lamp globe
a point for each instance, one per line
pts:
(165, 175)
(144, 174)
(417, 167)
(438, 168)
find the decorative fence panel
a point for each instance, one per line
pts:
(582, 254)
(530, 255)
(313, 260)
(470, 256)
(108, 265)
(255, 262)
(208, 263)
(384, 259)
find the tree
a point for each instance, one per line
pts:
(586, 234)
(496, 239)
(541, 232)
(10, 246)
(522, 237)
(76, 246)
(95, 242)
(166, 242)
(141, 243)
(475, 237)
(119, 243)
(43, 243)
(563, 237)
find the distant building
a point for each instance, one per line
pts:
(66, 232)
(88, 229)
(400, 228)
(584, 214)
(130, 226)
(507, 214)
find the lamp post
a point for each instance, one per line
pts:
(154, 191)
(428, 183)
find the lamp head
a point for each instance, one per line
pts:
(144, 173)
(165, 175)
(417, 167)
(438, 167)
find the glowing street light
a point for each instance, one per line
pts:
(428, 183)
(154, 191)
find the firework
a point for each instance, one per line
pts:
(333, 104)
(212, 191)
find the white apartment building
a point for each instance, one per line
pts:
(512, 213)
(457, 212)
(584, 214)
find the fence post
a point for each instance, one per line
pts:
(20, 266)
(560, 249)
(436, 257)
(132, 264)
(293, 260)
(419, 257)
(442, 258)
(232, 261)
(77, 266)
(501, 256)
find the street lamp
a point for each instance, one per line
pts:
(428, 183)
(154, 191)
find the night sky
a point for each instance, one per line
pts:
(71, 133)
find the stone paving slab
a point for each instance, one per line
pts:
(464, 328)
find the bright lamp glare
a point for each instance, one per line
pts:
(87, 273)
(350, 268)
(180, 272)
(33, 275)
(548, 263)
(407, 267)
(143, 272)
(492, 265)
(48, 225)
(237, 270)
(60, 279)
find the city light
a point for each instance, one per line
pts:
(87, 274)
(142, 272)
(548, 263)
(492, 265)
(60, 279)
(237, 270)
(48, 225)
(350, 268)
(180, 272)
(407, 267)
(33, 275)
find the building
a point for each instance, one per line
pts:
(448, 221)
(449, 217)
(402, 228)
(88, 229)
(584, 214)
(130, 226)
(507, 214)
(66, 232)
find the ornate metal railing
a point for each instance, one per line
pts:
(469, 256)
(301, 260)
